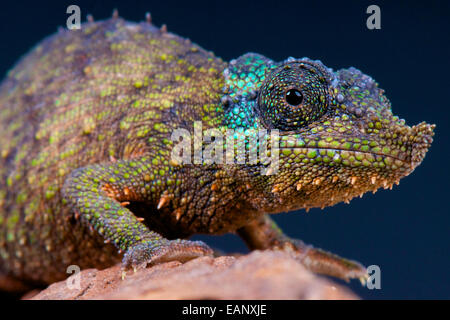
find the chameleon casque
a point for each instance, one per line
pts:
(87, 175)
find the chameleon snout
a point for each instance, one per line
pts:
(420, 140)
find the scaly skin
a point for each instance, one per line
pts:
(86, 164)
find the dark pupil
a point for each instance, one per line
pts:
(294, 97)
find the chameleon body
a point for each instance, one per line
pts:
(88, 175)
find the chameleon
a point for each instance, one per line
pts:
(89, 169)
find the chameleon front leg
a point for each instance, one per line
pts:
(263, 233)
(97, 193)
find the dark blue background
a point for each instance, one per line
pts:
(405, 231)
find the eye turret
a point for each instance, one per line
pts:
(294, 95)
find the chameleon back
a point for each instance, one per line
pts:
(112, 90)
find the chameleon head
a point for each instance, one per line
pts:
(338, 137)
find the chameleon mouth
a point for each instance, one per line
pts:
(405, 153)
(352, 152)
(336, 157)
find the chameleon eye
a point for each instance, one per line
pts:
(294, 95)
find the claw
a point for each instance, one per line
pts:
(320, 261)
(363, 281)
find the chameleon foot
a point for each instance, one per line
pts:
(140, 255)
(320, 261)
(263, 234)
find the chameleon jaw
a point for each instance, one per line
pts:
(321, 176)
